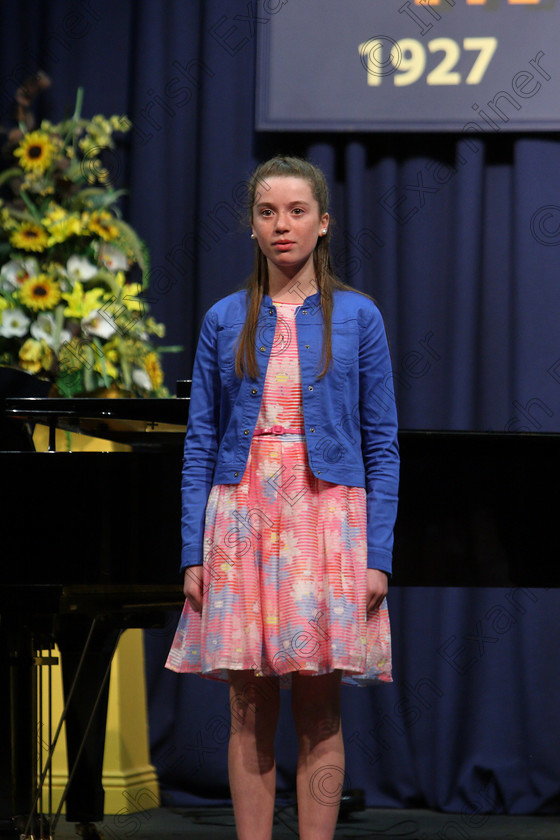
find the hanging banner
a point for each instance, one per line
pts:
(417, 65)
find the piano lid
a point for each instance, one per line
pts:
(129, 420)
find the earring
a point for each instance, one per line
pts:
(323, 232)
(252, 236)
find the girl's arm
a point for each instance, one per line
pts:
(379, 427)
(201, 443)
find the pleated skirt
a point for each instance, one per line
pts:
(285, 561)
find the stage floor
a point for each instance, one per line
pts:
(217, 823)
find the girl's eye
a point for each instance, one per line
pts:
(266, 212)
(298, 210)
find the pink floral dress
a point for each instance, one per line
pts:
(285, 557)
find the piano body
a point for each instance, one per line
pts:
(86, 537)
(97, 534)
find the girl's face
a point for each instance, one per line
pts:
(286, 222)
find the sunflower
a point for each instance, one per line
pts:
(102, 223)
(29, 236)
(36, 152)
(40, 292)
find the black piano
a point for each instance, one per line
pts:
(97, 534)
(87, 537)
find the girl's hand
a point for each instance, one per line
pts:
(376, 587)
(192, 587)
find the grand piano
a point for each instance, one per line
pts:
(97, 534)
(88, 537)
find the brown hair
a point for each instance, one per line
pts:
(257, 283)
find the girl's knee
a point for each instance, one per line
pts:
(253, 700)
(316, 706)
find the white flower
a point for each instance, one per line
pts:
(112, 258)
(99, 323)
(13, 322)
(141, 378)
(80, 268)
(44, 328)
(16, 272)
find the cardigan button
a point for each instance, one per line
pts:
(310, 387)
(312, 429)
(246, 432)
(262, 349)
(307, 346)
(236, 473)
(304, 311)
(254, 391)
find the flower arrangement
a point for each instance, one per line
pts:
(72, 272)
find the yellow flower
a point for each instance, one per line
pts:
(153, 369)
(37, 182)
(105, 366)
(129, 293)
(36, 152)
(81, 303)
(61, 225)
(64, 229)
(55, 214)
(110, 350)
(7, 222)
(34, 355)
(152, 326)
(120, 123)
(40, 292)
(101, 222)
(29, 236)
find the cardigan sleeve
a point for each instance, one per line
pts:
(380, 449)
(201, 443)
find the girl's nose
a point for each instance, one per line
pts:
(282, 222)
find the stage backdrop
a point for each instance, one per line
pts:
(457, 237)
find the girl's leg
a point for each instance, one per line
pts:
(255, 705)
(320, 774)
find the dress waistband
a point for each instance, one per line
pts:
(276, 430)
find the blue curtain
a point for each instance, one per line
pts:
(457, 239)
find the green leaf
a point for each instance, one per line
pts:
(58, 323)
(172, 348)
(127, 374)
(75, 116)
(97, 198)
(12, 172)
(31, 207)
(79, 102)
(21, 215)
(101, 357)
(70, 383)
(131, 239)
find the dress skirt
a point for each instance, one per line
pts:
(285, 559)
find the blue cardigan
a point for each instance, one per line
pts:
(349, 415)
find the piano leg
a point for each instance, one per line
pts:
(85, 794)
(17, 735)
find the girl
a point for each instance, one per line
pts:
(289, 490)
